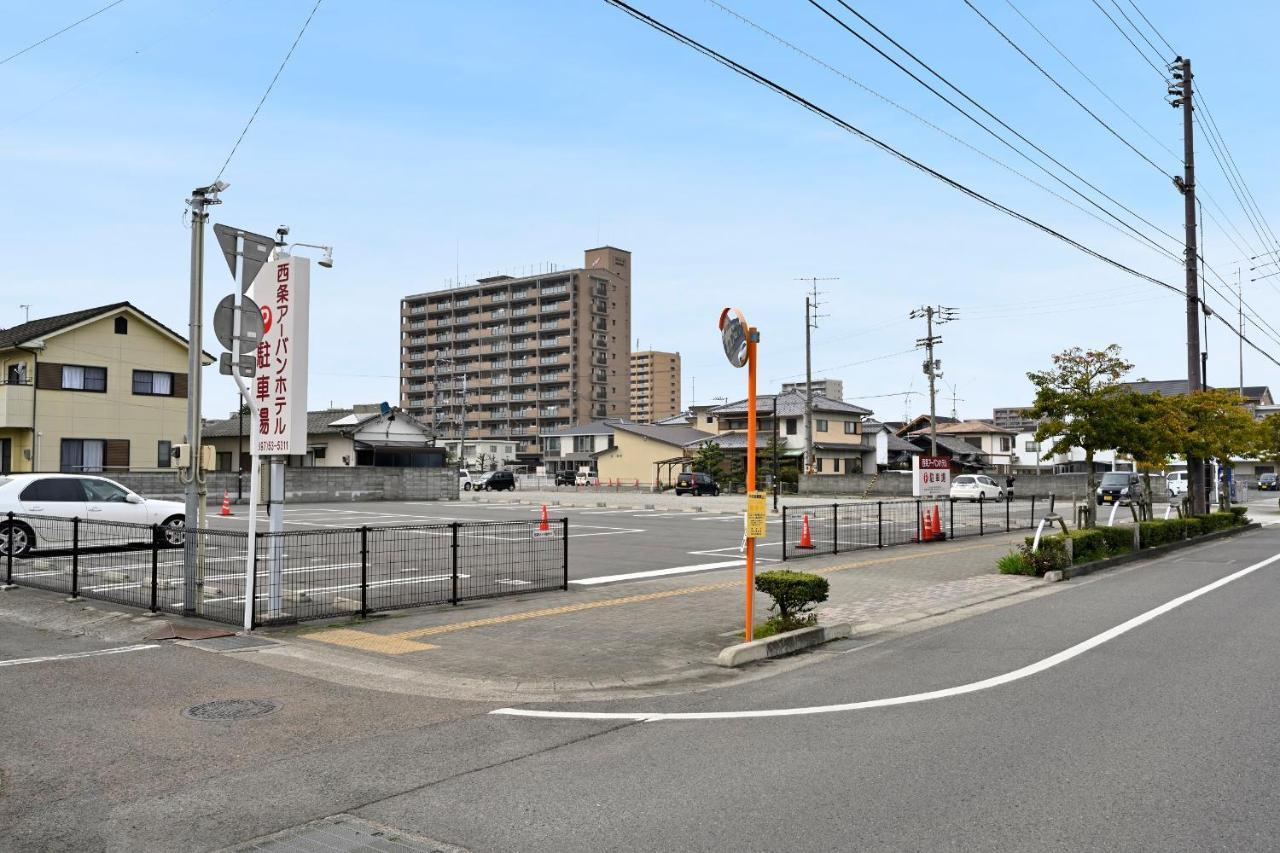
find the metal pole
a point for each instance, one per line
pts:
(195, 490)
(565, 583)
(784, 535)
(8, 560)
(75, 558)
(364, 571)
(777, 482)
(251, 539)
(752, 336)
(453, 548)
(275, 527)
(982, 525)
(835, 528)
(155, 564)
(808, 392)
(879, 524)
(1195, 467)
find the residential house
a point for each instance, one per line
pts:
(974, 443)
(571, 448)
(101, 389)
(367, 435)
(1029, 458)
(892, 453)
(839, 444)
(649, 453)
(921, 422)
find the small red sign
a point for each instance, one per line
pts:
(935, 462)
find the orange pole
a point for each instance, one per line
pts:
(751, 471)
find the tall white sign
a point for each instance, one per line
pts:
(283, 292)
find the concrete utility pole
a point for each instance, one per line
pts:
(810, 323)
(194, 481)
(1240, 326)
(1180, 88)
(931, 365)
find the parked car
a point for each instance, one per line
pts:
(1177, 482)
(48, 502)
(976, 487)
(586, 478)
(566, 478)
(465, 482)
(1267, 483)
(497, 481)
(1119, 487)
(694, 483)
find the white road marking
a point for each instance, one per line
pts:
(73, 655)
(657, 573)
(912, 698)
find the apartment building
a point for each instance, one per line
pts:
(511, 358)
(655, 385)
(832, 389)
(102, 389)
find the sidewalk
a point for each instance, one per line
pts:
(631, 639)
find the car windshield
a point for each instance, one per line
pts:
(1115, 478)
(1266, 478)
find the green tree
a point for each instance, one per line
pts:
(1218, 425)
(1156, 431)
(709, 459)
(1082, 405)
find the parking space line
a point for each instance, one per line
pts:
(74, 655)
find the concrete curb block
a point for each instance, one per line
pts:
(782, 644)
(1146, 553)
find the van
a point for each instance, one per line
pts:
(1177, 481)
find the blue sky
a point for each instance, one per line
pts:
(422, 138)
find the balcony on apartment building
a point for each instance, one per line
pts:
(17, 405)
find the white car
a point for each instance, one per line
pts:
(976, 487)
(465, 483)
(1177, 483)
(44, 504)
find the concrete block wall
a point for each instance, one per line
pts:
(313, 485)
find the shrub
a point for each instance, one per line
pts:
(1051, 556)
(793, 593)
(1015, 563)
(1088, 545)
(778, 625)
(1240, 512)
(1192, 527)
(1160, 531)
(1119, 539)
(1222, 520)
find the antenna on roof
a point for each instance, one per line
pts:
(27, 309)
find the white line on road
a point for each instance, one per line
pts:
(912, 698)
(657, 573)
(74, 655)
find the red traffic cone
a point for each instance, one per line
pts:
(937, 524)
(545, 525)
(806, 537)
(926, 527)
(226, 504)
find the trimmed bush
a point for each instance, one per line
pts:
(1221, 520)
(793, 593)
(1119, 539)
(1162, 531)
(1051, 556)
(1015, 563)
(1240, 512)
(1088, 545)
(1192, 527)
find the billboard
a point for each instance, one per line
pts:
(930, 476)
(282, 290)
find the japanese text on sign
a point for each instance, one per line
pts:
(280, 388)
(931, 477)
(757, 512)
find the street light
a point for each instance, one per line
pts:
(326, 260)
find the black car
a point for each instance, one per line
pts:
(498, 481)
(1267, 483)
(1119, 487)
(692, 483)
(564, 478)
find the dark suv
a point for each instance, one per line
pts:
(691, 483)
(564, 478)
(1119, 487)
(498, 481)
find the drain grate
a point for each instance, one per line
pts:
(227, 710)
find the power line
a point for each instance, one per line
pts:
(1132, 43)
(801, 101)
(270, 86)
(60, 32)
(1231, 159)
(1064, 90)
(1153, 27)
(1137, 29)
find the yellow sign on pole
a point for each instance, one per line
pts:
(757, 512)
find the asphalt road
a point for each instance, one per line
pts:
(1156, 736)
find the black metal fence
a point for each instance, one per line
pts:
(298, 575)
(837, 527)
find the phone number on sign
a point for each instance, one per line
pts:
(278, 446)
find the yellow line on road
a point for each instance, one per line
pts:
(403, 641)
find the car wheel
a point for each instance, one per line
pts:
(466, 487)
(1000, 495)
(172, 533)
(16, 537)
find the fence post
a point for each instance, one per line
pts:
(454, 548)
(1007, 511)
(155, 564)
(784, 533)
(917, 519)
(75, 557)
(835, 528)
(253, 608)
(952, 520)
(982, 524)
(8, 560)
(879, 524)
(364, 571)
(565, 585)
(1033, 511)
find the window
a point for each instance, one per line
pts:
(152, 383)
(82, 454)
(791, 426)
(1006, 443)
(60, 490)
(1032, 447)
(164, 455)
(835, 466)
(223, 462)
(319, 452)
(817, 464)
(122, 326)
(77, 378)
(820, 424)
(103, 491)
(850, 427)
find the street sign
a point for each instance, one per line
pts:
(248, 365)
(931, 476)
(255, 250)
(283, 288)
(733, 333)
(251, 325)
(757, 514)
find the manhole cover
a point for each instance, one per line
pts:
(231, 709)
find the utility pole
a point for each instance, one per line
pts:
(810, 323)
(932, 366)
(1180, 88)
(1240, 326)
(193, 479)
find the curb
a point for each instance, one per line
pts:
(782, 644)
(1146, 553)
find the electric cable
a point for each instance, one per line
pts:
(67, 28)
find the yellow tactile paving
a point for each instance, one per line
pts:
(403, 642)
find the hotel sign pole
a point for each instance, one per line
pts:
(740, 342)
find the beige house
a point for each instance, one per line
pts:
(995, 443)
(839, 443)
(638, 449)
(103, 389)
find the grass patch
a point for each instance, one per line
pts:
(780, 625)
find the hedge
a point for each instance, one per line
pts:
(793, 592)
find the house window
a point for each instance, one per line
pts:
(1006, 443)
(817, 464)
(122, 326)
(976, 441)
(223, 461)
(835, 466)
(164, 454)
(820, 425)
(77, 378)
(791, 426)
(82, 454)
(152, 384)
(850, 427)
(1032, 447)
(319, 452)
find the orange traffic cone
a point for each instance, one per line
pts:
(226, 504)
(937, 524)
(544, 525)
(806, 537)
(926, 527)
